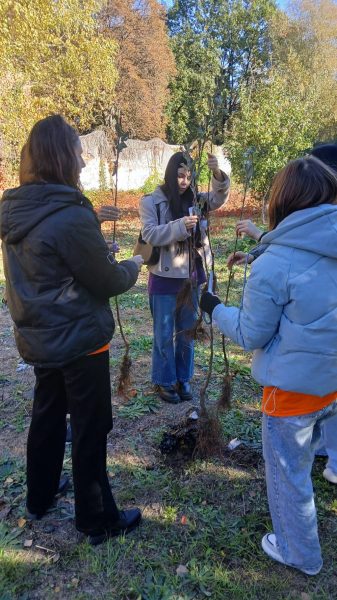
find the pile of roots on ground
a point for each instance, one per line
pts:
(198, 435)
(180, 441)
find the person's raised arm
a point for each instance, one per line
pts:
(220, 185)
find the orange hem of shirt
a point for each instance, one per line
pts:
(279, 403)
(100, 350)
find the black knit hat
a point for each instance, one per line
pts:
(327, 153)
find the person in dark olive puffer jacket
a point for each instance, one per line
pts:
(59, 278)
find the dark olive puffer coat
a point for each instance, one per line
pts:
(59, 273)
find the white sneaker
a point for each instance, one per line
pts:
(269, 545)
(329, 475)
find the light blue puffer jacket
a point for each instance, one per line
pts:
(289, 310)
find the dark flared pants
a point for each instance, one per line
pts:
(82, 389)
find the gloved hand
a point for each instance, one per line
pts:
(208, 302)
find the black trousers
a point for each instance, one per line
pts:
(82, 389)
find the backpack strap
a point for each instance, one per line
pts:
(158, 212)
(140, 237)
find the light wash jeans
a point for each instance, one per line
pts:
(289, 445)
(173, 351)
(328, 445)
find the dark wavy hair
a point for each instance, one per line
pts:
(49, 154)
(302, 183)
(178, 203)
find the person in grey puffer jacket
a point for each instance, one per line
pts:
(289, 318)
(60, 275)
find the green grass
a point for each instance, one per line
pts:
(202, 520)
(139, 406)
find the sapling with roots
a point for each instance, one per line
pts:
(120, 139)
(209, 437)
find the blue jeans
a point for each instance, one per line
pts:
(289, 445)
(173, 351)
(328, 445)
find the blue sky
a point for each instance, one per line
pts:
(281, 3)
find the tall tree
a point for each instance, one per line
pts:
(221, 46)
(294, 106)
(53, 59)
(145, 63)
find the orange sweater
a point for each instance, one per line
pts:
(103, 349)
(279, 403)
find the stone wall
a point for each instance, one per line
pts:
(137, 161)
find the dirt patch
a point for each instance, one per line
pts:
(243, 456)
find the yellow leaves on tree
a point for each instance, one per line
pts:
(54, 59)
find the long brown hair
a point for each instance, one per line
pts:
(49, 154)
(302, 183)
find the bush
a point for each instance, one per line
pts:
(99, 197)
(151, 182)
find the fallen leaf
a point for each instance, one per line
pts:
(28, 543)
(55, 558)
(9, 480)
(21, 522)
(183, 520)
(57, 589)
(132, 393)
(148, 392)
(5, 512)
(75, 582)
(182, 571)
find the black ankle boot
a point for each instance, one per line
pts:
(169, 394)
(185, 391)
(128, 521)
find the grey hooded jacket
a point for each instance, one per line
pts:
(168, 232)
(289, 310)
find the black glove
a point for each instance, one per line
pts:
(208, 302)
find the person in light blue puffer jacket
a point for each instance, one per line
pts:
(327, 153)
(289, 318)
(286, 283)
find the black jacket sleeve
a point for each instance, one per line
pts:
(256, 251)
(86, 254)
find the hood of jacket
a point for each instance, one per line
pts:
(158, 196)
(312, 229)
(24, 207)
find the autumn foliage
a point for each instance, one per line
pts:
(144, 62)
